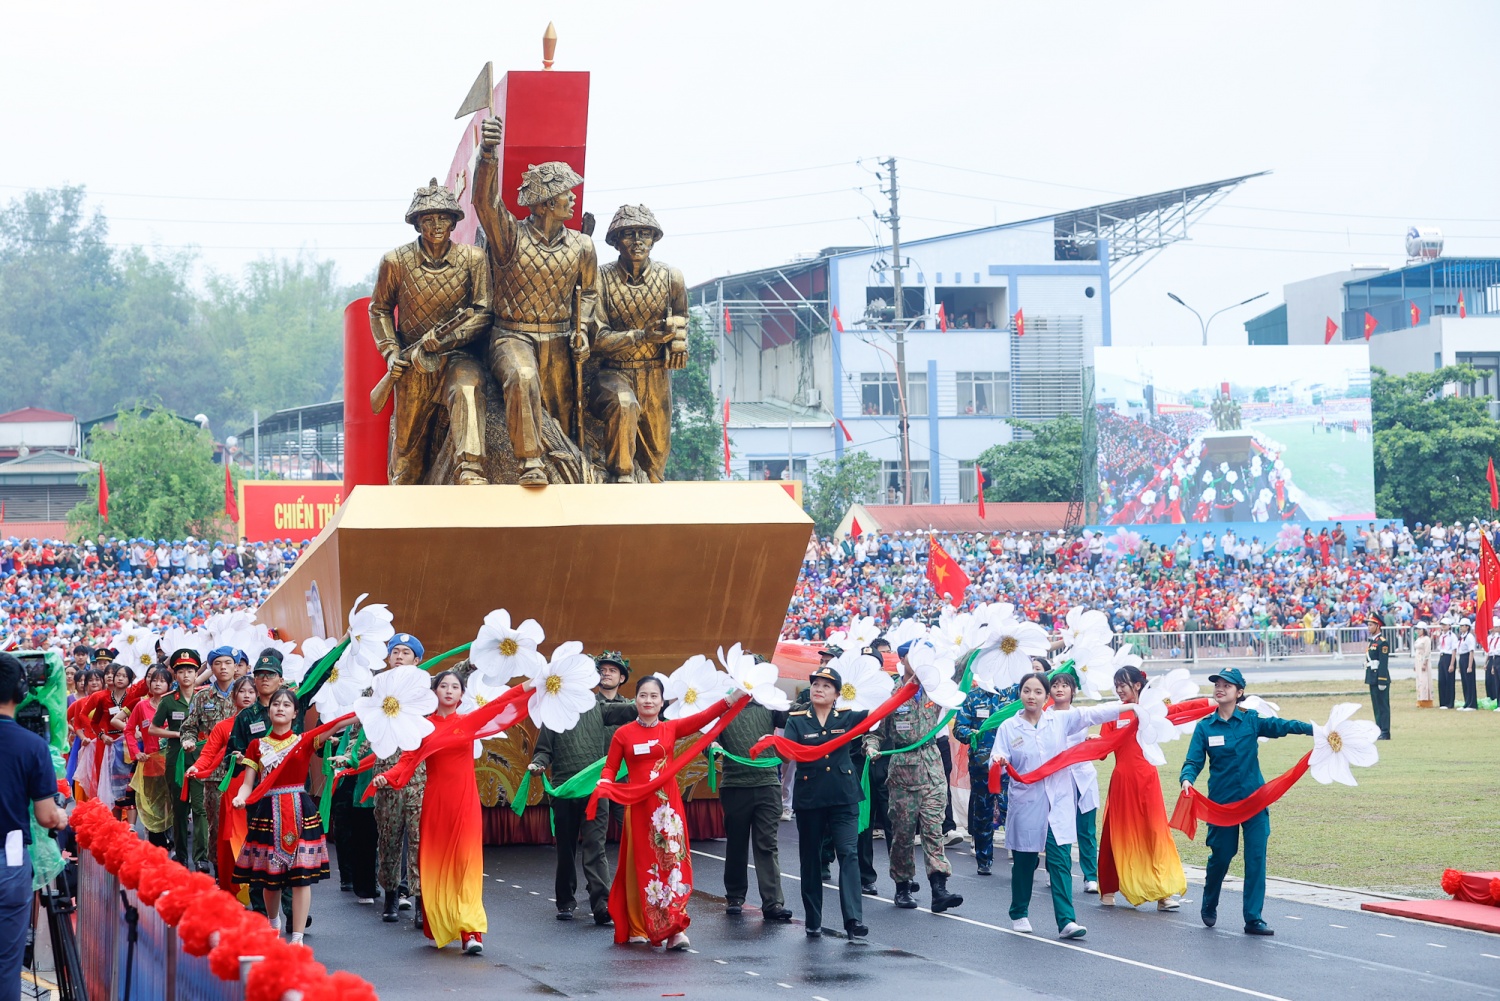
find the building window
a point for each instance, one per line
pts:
(1487, 364)
(968, 490)
(878, 396)
(775, 469)
(983, 393)
(890, 490)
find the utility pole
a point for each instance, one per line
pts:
(894, 220)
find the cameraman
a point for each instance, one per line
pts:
(27, 782)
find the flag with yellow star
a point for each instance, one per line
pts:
(1488, 592)
(947, 577)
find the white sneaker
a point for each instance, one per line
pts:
(295, 939)
(1091, 886)
(678, 942)
(786, 814)
(1022, 925)
(1107, 899)
(1072, 930)
(954, 838)
(1169, 904)
(364, 900)
(636, 940)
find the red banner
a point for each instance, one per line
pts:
(287, 509)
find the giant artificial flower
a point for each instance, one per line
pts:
(903, 631)
(501, 653)
(395, 713)
(1263, 709)
(695, 686)
(865, 684)
(1342, 742)
(294, 666)
(1085, 627)
(347, 681)
(1095, 666)
(1007, 655)
(757, 679)
(369, 629)
(934, 670)
(177, 638)
(958, 634)
(1153, 728)
(564, 687)
(135, 647)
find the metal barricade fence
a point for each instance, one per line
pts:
(1301, 642)
(159, 968)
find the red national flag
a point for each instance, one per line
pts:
(979, 482)
(231, 505)
(838, 324)
(1416, 315)
(726, 425)
(1020, 324)
(728, 323)
(1370, 325)
(854, 528)
(1463, 310)
(1494, 487)
(103, 494)
(1488, 591)
(1224, 388)
(1329, 329)
(844, 428)
(947, 577)
(942, 318)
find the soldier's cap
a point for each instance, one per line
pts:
(831, 651)
(544, 181)
(269, 662)
(616, 658)
(631, 217)
(104, 655)
(407, 640)
(1230, 676)
(186, 657)
(434, 197)
(827, 674)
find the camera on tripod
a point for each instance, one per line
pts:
(32, 714)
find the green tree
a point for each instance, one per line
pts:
(1431, 448)
(163, 481)
(697, 438)
(835, 485)
(1043, 467)
(1262, 394)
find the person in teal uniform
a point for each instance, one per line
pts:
(1228, 741)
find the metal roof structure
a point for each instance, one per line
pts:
(775, 412)
(45, 467)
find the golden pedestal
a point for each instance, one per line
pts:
(657, 571)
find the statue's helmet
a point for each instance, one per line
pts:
(545, 181)
(433, 198)
(631, 217)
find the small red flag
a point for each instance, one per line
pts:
(1329, 329)
(231, 505)
(844, 428)
(1020, 324)
(728, 323)
(1463, 310)
(1487, 592)
(1416, 315)
(854, 528)
(838, 324)
(1494, 487)
(979, 482)
(947, 577)
(726, 426)
(942, 318)
(103, 494)
(1370, 325)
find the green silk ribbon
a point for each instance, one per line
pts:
(715, 751)
(1010, 709)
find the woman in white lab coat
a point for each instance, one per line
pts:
(1043, 815)
(1085, 785)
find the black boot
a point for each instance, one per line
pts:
(391, 904)
(904, 899)
(942, 900)
(416, 910)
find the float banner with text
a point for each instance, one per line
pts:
(1275, 435)
(287, 509)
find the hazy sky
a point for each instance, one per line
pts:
(248, 129)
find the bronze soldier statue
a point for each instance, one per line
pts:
(642, 330)
(432, 281)
(545, 276)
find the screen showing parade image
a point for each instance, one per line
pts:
(1233, 434)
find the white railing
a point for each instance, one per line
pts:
(1212, 645)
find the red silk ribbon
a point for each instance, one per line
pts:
(790, 750)
(1193, 806)
(632, 794)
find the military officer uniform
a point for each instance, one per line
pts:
(1231, 748)
(826, 798)
(1378, 677)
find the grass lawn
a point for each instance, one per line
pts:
(1335, 469)
(1432, 803)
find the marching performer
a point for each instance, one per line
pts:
(398, 812)
(1085, 785)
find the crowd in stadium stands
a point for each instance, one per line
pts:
(62, 594)
(1207, 581)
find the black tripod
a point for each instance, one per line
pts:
(60, 908)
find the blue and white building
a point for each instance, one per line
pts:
(802, 390)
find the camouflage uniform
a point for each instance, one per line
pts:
(208, 709)
(916, 785)
(398, 813)
(986, 809)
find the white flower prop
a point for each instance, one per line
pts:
(992, 612)
(395, 713)
(135, 647)
(1153, 728)
(564, 688)
(1342, 742)
(902, 631)
(1095, 666)
(347, 681)
(176, 638)
(695, 686)
(1007, 655)
(294, 666)
(369, 629)
(758, 680)
(1267, 710)
(501, 652)
(865, 684)
(958, 634)
(862, 631)
(1086, 627)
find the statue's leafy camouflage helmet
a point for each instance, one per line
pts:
(631, 217)
(546, 181)
(433, 198)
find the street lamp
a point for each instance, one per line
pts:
(1204, 323)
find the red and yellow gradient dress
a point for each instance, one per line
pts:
(654, 878)
(1137, 856)
(451, 856)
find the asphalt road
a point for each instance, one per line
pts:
(1317, 953)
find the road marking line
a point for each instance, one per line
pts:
(780, 984)
(693, 951)
(1488, 956)
(818, 997)
(751, 973)
(1332, 925)
(1293, 917)
(533, 893)
(1436, 946)
(1384, 935)
(722, 962)
(1071, 946)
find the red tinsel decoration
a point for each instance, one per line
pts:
(130, 868)
(156, 880)
(1452, 880)
(288, 968)
(250, 939)
(341, 986)
(215, 911)
(181, 892)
